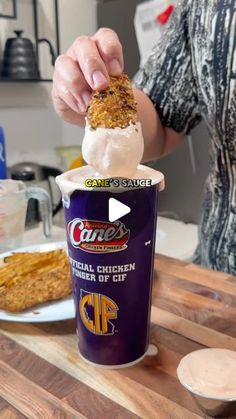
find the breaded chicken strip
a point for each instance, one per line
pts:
(29, 279)
(114, 106)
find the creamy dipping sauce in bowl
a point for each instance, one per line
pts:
(210, 376)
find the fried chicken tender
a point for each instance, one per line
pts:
(114, 106)
(28, 279)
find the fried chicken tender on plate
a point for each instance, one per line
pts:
(29, 279)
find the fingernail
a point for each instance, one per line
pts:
(98, 79)
(114, 67)
(82, 107)
(86, 98)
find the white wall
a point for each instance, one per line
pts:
(31, 127)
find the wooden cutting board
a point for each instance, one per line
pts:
(42, 375)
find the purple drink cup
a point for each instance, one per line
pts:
(111, 265)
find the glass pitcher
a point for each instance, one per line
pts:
(14, 198)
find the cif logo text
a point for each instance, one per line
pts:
(98, 236)
(96, 312)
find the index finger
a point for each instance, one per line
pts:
(110, 49)
(84, 51)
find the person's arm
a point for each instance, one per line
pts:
(168, 89)
(73, 81)
(165, 87)
(158, 139)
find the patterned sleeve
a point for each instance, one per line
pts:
(167, 76)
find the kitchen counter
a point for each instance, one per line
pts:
(43, 376)
(173, 238)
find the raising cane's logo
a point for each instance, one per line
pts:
(98, 236)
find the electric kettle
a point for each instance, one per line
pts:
(34, 174)
(19, 60)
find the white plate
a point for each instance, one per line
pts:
(48, 312)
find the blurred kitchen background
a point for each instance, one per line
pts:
(32, 130)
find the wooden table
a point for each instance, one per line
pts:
(42, 375)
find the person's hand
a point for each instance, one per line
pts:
(86, 66)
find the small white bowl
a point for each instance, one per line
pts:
(210, 377)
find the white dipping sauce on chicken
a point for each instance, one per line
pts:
(114, 152)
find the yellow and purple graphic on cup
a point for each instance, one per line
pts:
(97, 312)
